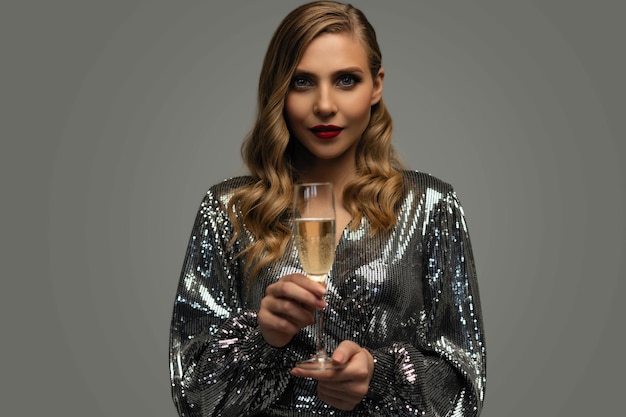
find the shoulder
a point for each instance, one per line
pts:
(219, 194)
(432, 194)
(424, 183)
(230, 185)
(213, 208)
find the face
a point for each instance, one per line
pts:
(328, 105)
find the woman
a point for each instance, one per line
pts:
(402, 309)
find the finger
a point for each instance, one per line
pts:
(345, 351)
(275, 310)
(320, 375)
(293, 291)
(317, 288)
(276, 323)
(339, 389)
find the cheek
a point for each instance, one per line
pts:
(359, 108)
(293, 109)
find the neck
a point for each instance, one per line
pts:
(337, 171)
(334, 171)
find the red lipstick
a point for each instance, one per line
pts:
(326, 131)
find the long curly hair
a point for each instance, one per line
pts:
(264, 205)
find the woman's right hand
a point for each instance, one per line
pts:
(288, 306)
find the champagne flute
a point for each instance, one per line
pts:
(314, 234)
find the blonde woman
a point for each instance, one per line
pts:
(402, 304)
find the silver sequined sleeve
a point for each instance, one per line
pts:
(443, 371)
(219, 363)
(409, 296)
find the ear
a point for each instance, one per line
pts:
(377, 93)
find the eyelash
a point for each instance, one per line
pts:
(296, 86)
(351, 80)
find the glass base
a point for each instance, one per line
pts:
(319, 364)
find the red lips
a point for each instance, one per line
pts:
(326, 131)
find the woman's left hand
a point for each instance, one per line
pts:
(343, 388)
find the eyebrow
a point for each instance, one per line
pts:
(347, 70)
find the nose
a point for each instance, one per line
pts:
(324, 104)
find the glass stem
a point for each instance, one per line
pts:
(320, 339)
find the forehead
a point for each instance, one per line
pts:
(336, 50)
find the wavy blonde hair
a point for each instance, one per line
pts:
(264, 205)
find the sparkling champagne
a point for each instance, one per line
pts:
(315, 240)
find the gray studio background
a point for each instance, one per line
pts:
(118, 115)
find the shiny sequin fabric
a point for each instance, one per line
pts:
(409, 296)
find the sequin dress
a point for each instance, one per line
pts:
(409, 296)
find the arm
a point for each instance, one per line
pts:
(444, 373)
(219, 362)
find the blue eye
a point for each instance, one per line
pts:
(301, 83)
(348, 80)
